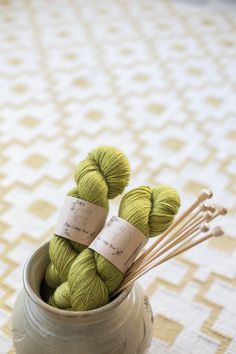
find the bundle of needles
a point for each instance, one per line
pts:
(188, 230)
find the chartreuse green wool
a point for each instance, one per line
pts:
(101, 176)
(92, 278)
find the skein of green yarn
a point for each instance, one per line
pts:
(101, 176)
(92, 278)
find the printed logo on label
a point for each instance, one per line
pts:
(119, 242)
(80, 221)
(120, 236)
(83, 219)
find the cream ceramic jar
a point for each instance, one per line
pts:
(124, 326)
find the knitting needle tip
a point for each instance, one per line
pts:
(207, 216)
(217, 231)
(207, 207)
(205, 194)
(223, 210)
(204, 227)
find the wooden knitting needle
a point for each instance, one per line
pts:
(172, 240)
(219, 210)
(205, 194)
(216, 232)
(204, 228)
(207, 216)
(148, 260)
(212, 211)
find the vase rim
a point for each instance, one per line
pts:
(60, 312)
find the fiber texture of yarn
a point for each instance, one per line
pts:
(101, 176)
(92, 278)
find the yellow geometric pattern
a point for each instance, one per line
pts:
(156, 78)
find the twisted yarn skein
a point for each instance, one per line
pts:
(101, 176)
(92, 278)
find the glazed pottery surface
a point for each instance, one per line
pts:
(124, 326)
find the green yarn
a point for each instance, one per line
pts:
(101, 176)
(154, 208)
(92, 278)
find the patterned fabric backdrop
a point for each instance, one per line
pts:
(156, 78)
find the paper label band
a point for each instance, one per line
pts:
(119, 242)
(80, 220)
